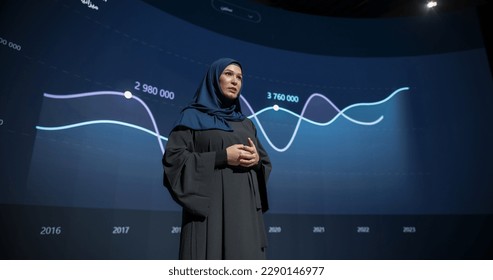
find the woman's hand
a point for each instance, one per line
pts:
(243, 155)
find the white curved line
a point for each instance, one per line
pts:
(69, 126)
(301, 116)
(95, 93)
(253, 115)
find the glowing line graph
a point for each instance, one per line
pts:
(253, 115)
(96, 93)
(302, 118)
(101, 122)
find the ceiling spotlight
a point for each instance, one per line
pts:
(431, 4)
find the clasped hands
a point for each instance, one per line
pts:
(243, 155)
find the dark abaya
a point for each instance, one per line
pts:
(222, 205)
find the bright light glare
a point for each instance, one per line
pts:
(127, 94)
(431, 4)
(275, 107)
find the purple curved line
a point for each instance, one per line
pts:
(297, 124)
(248, 105)
(323, 97)
(77, 95)
(304, 106)
(302, 115)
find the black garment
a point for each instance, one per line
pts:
(222, 205)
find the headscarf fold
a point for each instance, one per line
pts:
(209, 108)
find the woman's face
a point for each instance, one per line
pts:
(230, 81)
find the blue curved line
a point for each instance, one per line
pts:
(301, 116)
(253, 115)
(340, 113)
(377, 102)
(314, 122)
(96, 93)
(332, 120)
(69, 126)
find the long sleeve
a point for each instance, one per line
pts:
(186, 173)
(263, 170)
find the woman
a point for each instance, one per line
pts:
(217, 170)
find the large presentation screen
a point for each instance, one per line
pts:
(361, 118)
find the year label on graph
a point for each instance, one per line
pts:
(121, 229)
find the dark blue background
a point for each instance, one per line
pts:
(429, 155)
